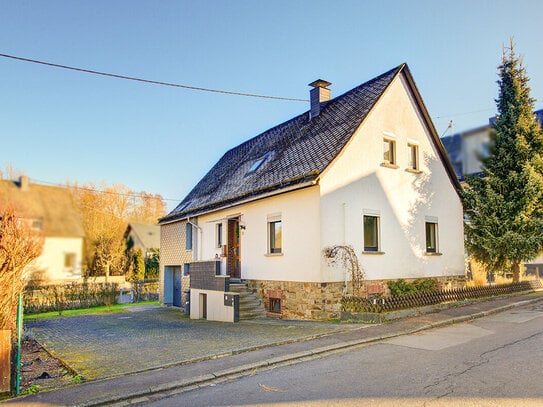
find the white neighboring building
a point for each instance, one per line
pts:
(365, 170)
(52, 211)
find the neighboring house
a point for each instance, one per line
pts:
(365, 170)
(52, 211)
(143, 236)
(465, 150)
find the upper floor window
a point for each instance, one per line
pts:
(412, 156)
(389, 151)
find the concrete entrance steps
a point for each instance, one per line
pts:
(250, 304)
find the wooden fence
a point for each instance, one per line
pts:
(5, 361)
(378, 305)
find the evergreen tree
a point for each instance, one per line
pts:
(138, 266)
(504, 208)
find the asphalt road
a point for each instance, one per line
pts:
(495, 360)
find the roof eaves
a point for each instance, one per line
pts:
(281, 187)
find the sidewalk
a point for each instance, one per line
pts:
(131, 389)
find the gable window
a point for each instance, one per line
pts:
(219, 235)
(412, 157)
(431, 237)
(389, 152)
(188, 236)
(275, 236)
(371, 233)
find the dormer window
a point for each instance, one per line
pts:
(258, 163)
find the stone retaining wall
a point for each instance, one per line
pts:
(302, 300)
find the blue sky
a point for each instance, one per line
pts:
(58, 125)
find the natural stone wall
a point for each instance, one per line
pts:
(302, 300)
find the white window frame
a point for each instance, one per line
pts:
(377, 217)
(431, 220)
(390, 140)
(273, 220)
(413, 155)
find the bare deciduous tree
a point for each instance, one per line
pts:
(19, 246)
(105, 213)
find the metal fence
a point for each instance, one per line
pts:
(378, 305)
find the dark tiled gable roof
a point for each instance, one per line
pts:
(298, 151)
(53, 205)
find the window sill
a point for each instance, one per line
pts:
(413, 171)
(388, 165)
(370, 252)
(273, 254)
(433, 254)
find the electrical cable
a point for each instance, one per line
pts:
(132, 78)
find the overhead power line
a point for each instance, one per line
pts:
(132, 78)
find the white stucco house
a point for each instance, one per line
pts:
(51, 211)
(365, 170)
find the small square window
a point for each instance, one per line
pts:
(431, 237)
(412, 157)
(371, 233)
(275, 236)
(389, 152)
(275, 305)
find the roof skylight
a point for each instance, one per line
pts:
(258, 162)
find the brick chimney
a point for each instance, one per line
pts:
(23, 183)
(320, 93)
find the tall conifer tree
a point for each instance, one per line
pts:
(504, 208)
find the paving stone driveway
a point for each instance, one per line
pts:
(148, 337)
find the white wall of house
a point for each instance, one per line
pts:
(357, 183)
(53, 260)
(300, 257)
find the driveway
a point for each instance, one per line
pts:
(150, 337)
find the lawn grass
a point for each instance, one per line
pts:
(102, 309)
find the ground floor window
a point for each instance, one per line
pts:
(275, 305)
(431, 237)
(275, 236)
(371, 233)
